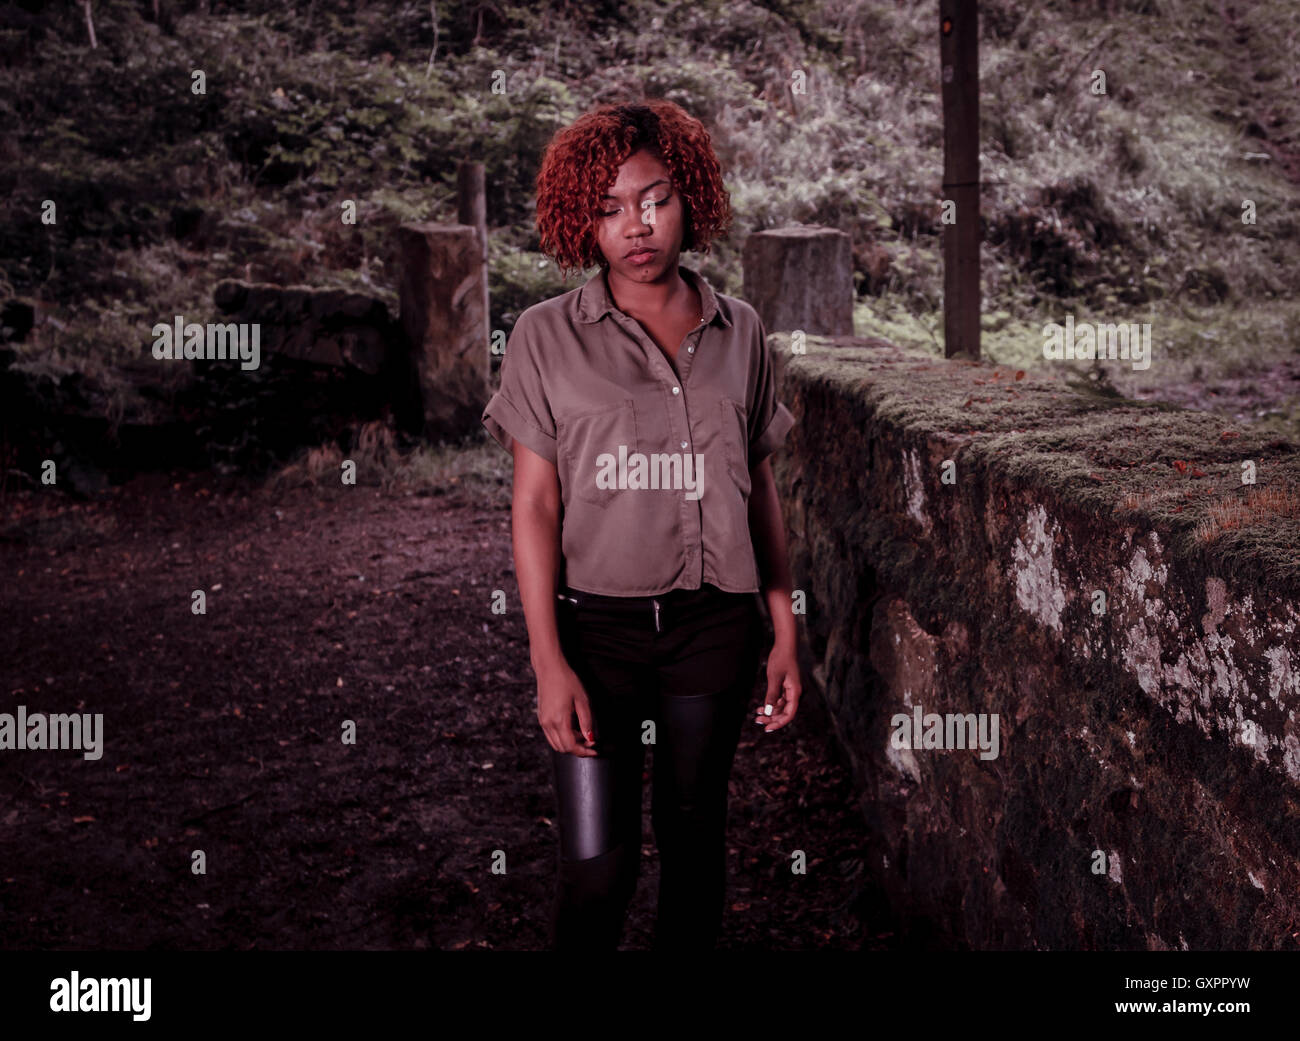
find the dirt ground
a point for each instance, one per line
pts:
(222, 734)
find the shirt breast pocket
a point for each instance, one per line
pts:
(587, 436)
(734, 421)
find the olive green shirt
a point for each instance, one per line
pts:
(654, 471)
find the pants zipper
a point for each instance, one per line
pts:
(656, 603)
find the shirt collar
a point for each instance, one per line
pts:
(595, 301)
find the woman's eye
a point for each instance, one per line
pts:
(664, 201)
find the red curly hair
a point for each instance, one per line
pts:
(582, 161)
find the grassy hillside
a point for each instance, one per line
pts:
(1118, 207)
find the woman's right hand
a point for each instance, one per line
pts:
(559, 698)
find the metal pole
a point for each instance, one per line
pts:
(960, 221)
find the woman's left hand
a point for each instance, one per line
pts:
(783, 689)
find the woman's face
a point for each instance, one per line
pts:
(642, 191)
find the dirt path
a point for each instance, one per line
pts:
(222, 733)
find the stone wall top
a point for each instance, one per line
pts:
(1221, 496)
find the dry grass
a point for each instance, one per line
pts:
(1259, 506)
(374, 452)
(381, 462)
(1133, 501)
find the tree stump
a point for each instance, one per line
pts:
(801, 278)
(443, 297)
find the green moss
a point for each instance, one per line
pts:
(1152, 466)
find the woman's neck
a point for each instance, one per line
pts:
(676, 292)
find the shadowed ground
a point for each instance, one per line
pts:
(222, 733)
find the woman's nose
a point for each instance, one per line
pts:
(642, 219)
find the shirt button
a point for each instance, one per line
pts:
(691, 349)
(683, 444)
(677, 390)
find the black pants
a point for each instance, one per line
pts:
(677, 669)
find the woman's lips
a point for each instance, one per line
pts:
(643, 257)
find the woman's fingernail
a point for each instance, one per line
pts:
(767, 710)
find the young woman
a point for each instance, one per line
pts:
(640, 412)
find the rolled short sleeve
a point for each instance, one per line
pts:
(519, 409)
(769, 420)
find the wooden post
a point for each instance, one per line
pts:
(444, 300)
(959, 73)
(471, 192)
(442, 296)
